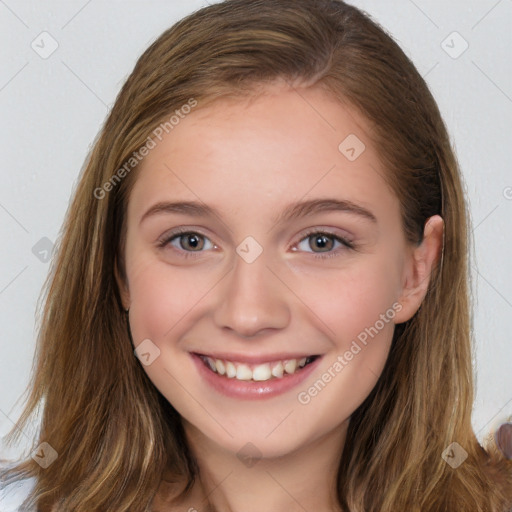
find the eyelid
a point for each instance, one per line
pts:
(345, 241)
(335, 233)
(181, 231)
(169, 236)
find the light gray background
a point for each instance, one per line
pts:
(52, 108)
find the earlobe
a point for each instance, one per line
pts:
(420, 267)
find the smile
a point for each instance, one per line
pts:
(256, 372)
(248, 377)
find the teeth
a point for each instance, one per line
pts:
(261, 372)
(230, 370)
(290, 366)
(221, 369)
(243, 372)
(278, 370)
(211, 364)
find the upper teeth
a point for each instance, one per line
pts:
(260, 372)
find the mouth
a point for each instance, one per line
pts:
(256, 372)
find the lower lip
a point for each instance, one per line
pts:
(252, 390)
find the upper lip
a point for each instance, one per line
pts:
(255, 359)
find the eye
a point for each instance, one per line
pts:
(189, 244)
(186, 242)
(325, 241)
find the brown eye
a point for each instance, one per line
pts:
(191, 241)
(324, 244)
(186, 243)
(322, 241)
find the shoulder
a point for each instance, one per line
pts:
(13, 495)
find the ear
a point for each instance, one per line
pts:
(418, 268)
(122, 286)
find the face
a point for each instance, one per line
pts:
(263, 321)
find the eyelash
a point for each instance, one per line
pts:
(162, 243)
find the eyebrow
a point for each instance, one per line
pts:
(293, 211)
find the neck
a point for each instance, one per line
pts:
(305, 479)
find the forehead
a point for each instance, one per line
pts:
(252, 156)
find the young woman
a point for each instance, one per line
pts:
(260, 298)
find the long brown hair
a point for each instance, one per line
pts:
(118, 440)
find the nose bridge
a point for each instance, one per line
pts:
(252, 297)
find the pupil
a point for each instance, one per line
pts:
(195, 241)
(321, 241)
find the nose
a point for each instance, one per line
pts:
(252, 299)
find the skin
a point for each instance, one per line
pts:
(248, 160)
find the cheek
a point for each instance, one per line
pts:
(359, 307)
(347, 301)
(356, 298)
(162, 297)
